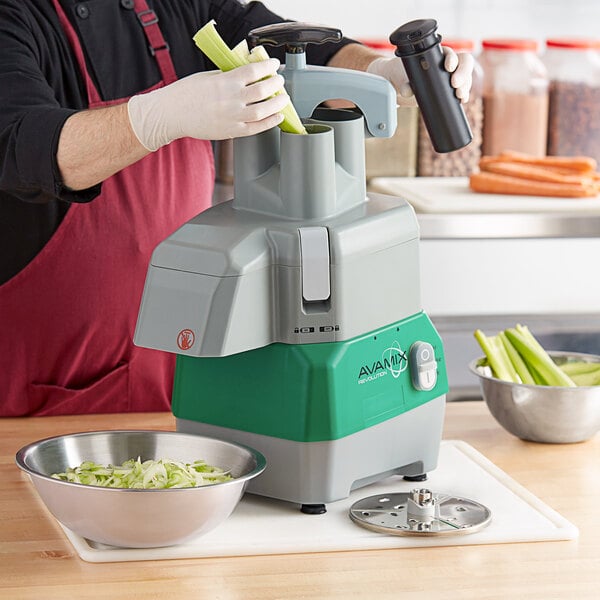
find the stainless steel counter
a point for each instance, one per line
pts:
(508, 226)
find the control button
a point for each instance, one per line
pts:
(83, 12)
(128, 4)
(423, 366)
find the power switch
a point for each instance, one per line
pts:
(423, 366)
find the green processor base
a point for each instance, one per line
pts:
(329, 417)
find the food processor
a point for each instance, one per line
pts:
(294, 308)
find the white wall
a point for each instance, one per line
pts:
(474, 19)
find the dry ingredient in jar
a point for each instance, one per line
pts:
(515, 97)
(460, 163)
(574, 112)
(395, 156)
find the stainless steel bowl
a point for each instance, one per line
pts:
(538, 413)
(137, 518)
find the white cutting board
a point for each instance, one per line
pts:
(265, 526)
(452, 195)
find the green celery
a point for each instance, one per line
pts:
(579, 367)
(515, 358)
(524, 330)
(292, 122)
(501, 349)
(535, 356)
(587, 379)
(212, 44)
(537, 378)
(497, 358)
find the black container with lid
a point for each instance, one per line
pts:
(418, 45)
(465, 161)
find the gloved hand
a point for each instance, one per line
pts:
(210, 105)
(460, 65)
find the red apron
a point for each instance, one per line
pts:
(68, 317)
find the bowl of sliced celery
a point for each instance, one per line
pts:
(138, 488)
(538, 395)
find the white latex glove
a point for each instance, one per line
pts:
(210, 105)
(460, 65)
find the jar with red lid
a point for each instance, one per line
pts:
(463, 162)
(515, 97)
(574, 112)
(395, 156)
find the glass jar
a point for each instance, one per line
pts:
(395, 156)
(515, 97)
(574, 112)
(464, 161)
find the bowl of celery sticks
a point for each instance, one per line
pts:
(535, 394)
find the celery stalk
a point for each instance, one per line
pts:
(579, 367)
(497, 359)
(243, 51)
(587, 379)
(501, 350)
(537, 378)
(535, 356)
(523, 329)
(212, 44)
(515, 358)
(582, 373)
(226, 59)
(291, 123)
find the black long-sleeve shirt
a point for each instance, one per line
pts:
(41, 86)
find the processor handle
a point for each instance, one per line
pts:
(294, 36)
(309, 86)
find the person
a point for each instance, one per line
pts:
(107, 110)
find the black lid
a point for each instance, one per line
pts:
(415, 36)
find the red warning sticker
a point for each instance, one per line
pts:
(186, 339)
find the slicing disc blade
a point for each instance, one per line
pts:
(403, 514)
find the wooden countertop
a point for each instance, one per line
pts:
(38, 562)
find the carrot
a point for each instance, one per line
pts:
(567, 171)
(494, 183)
(575, 163)
(527, 171)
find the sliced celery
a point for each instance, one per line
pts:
(212, 44)
(149, 474)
